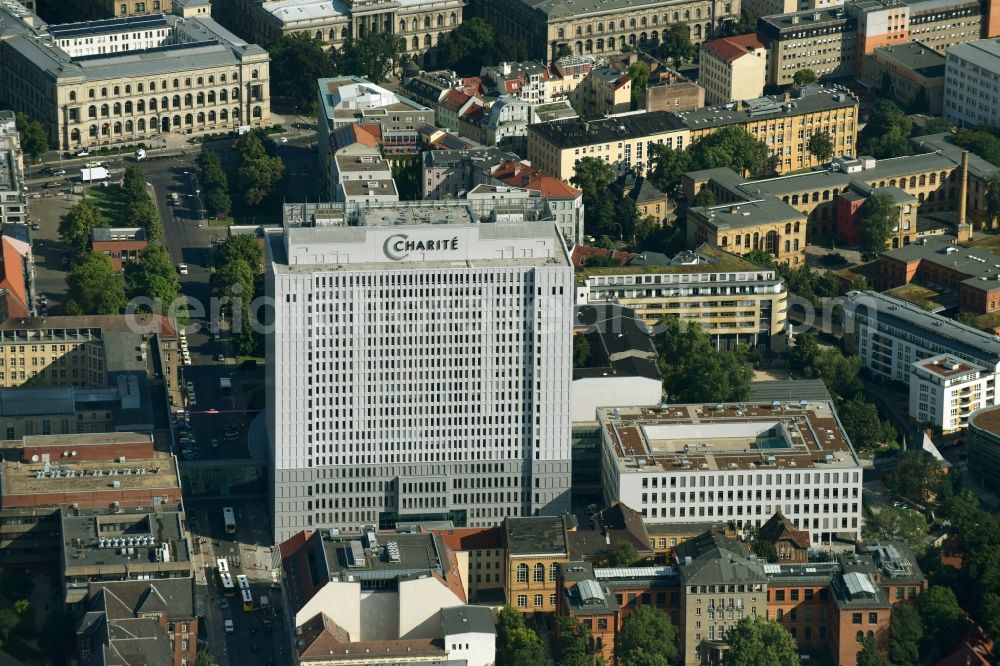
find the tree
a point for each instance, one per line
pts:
(258, 173)
(94, 286)
(153, 277)
(623, 554)
(676, 42)
(593, 177)
(297, 60)
(474, 45)
(668, 167)
(76, 225)
(518, 644)
(980, 142)
(239, 248)
(870, 655)
(839, 373)
(34, 138)
(217, 200)
(877, 217)
(887, 132)
(134, 182)
(993, 198)
(647, 630)
(203, 658)
(372, 56)
(693, 370)
(765, 550)
(933, 126)
(9, 620)
(638, 74)
(897, 524)
(59, 631)
(705, 198)
(563, 51)
(804, 76)
(905, 632)
(581, 351)
(754, 641)
(863, 425)
(803, 353)
(821, 146)
(918, 476)
(730, 147)
(943, 620)
(572, 642)
(212, 173)
(142, 212)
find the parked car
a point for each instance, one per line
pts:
(58, 172)
(43, 299)
(182, 269)
(229, 626)
(83, 152)
(221, 358)
(35, 226)
(280, 141)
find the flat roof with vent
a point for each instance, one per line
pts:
(785, 434)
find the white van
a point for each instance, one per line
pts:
(265, 603)
(229, 627)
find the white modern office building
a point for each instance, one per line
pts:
(420, 367)
(970, 73)
(13, 201)
(945, 390)
(736, 463)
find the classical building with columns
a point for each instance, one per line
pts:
(130, 80)
(423, 24)
(589, 27)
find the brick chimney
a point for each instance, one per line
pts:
(963, 189)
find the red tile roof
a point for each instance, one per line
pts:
(13, 279)
(471, 538)
(975, 650)
(369, 134)
(728, 49)
(519, 174)
(454, 100)
(581, 253)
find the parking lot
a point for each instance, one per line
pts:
(50, 255)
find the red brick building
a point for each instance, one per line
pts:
(121, 244)
(791, 543)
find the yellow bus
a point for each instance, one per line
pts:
(243, 582)
(247, 600)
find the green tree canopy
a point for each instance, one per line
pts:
(705, 197)
(95, 287)
(905, 633)
(581, 351)
(153, 276)
(623, 554)
(693, 370)
(668, 167)
(297, 61)
(258, 173)
(863, 425)
(802, 355)
(804, 76)
(517, 644)
(638, 74)
(134, 182)
(887, 132)
(870, 654)
(34, 138)
(676, 42)
(142, 212)
(371, 56)
(877, 217)
(572, 644)
(943, 619)
(821, 146)
(917, 476)
(981, 141)
(76, 225)
(212, 173)
(897, 524)
(730, 147)
(993, 198)
(840, 373)
(645, 631)
(474, 45)
(239, 248)
(755, 641)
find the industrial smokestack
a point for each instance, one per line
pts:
(963, 190)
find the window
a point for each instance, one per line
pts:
(872, 618)
(539, 575)
(538, 601)
(855, 618)
(522, 573)
(522, 601)
(553, 571)
(602, 623)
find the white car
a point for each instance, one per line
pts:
(182, 269)
(229, 626)
(280, 141)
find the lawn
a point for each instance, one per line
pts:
(111, 201)
(922, 296)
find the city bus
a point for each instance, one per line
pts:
(222, 565)
(243, 582)
(228, 588)
(229, 518)
(247, 600)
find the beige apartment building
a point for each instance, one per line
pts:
(594, 27)
(90, 10)
(199, 78)
(824, 40)
(732, 68)
(735, 301)
(422, 24)
(556, 147)
(785, 124)
(915, 73)
(605, 91)
(765, 224)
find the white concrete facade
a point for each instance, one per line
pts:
(945, 390)
(13, 202)
(970, 83)
(416, 371)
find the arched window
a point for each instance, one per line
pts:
(590, 46)
(211, 116)
(236, 94)
(188, 119)
(93, 130)
(92, 111)
(643, 37)
(211, 79)
(138, 88)
(697, 12)
(201, 81)
(118, 128)
(913, 181)
(75, 135)
(416, 42)
(923, 180)
(223, 95)
(201, 118)
(332, 35)
(223, 115)
(788, 227)
(188, 100)
(697, 31)
(427, 22)
(253, 74)
(655, 37)
(453, 20)
(128, 107)
(440, 20)
(343, 35)
(222, 78)
(117, 90)
(600, 44)
(725, 241)
(933, 179)
(553, 571)
(631, 23)
(427, 40)
(257, 113)
(104, 111)
(129, 127)
(319, 35)
(177, 121)
(128, 90)
(522, 573)
(642, 21)
(211, 97)
(177, 83)
(118, 108)
(414, 25)
(141, 124)
(402, 28)
(579, 47)
(631, 39)
(687, 14)
(90, 93)
(152, 104)
(177, 101)
(200, 99)
(72, 95)
(539, 575)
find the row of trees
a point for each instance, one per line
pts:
(237, 279)
(605, 212)
(214, 183)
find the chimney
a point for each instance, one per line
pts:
(963, 190)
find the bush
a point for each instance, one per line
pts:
(834, 259)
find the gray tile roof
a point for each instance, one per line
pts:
(467, 619)
(812, 99)
(535, 535)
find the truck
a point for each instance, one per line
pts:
(265, 603)
(93, 174)
(225, 386)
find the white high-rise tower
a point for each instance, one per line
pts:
(419, 369)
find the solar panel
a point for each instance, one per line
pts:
(858, 583)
